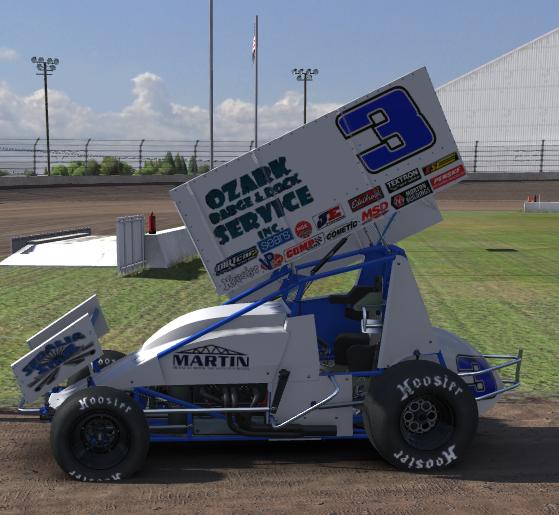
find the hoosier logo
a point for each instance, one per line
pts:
(210, 356)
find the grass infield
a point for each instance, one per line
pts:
(498, 299)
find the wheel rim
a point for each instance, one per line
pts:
(427, 422)
(100, 441)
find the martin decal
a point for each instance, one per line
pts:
(210, 357)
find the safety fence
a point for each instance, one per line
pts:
(18, 156)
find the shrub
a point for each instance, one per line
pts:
(59, 170)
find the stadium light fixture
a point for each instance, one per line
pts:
(45, 68)
(304, 76)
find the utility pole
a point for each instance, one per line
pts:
(45, 66)
(305, 76)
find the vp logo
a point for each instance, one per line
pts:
(394, 118)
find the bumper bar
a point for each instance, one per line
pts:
(509, 384)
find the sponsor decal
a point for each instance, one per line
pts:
(441, 163)
(270, 260)
(232, 281)
(254, 200)
(445, 458)
(210, 357)
(236, 260)
(267, 244)
(341, 229)
(374, 212)
(411, 195)
(303, 229)
(305, 246)
(365, 199)
(408, 387)
(447, 177)
(403, 180)
(328, 217)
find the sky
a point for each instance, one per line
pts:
(139, 69)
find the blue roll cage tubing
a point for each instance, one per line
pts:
(374, 255)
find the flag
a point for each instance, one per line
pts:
(254, 48)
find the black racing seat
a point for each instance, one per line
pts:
(354, 296)
(354, 351)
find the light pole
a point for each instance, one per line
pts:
(45, 66)
(304, 75)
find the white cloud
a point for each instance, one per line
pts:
(7, 54)
(151, 115)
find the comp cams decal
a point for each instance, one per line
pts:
(447, 177)
(441, 163)
(236, 260)
(305, 246)
(328, 217)
(254, 200)
(365, 199)
(410, 195)
(210, 357)
(403, 180)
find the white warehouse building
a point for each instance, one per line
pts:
(505, 114)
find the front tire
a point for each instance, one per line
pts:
(420, 416)
(99, 434)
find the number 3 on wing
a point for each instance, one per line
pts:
(398, 124)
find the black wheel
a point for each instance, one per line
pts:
(420, 416)
(108, 357)
(99, 434)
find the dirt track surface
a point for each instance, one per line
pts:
(512, 468)
(34, 210)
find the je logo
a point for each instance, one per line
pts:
(396, 121)
(328, 217)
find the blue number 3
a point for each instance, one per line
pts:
(398, 124)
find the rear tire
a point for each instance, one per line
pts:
(420, 416)
(99, 434)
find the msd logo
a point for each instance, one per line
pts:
(328, 217)
(374, 212)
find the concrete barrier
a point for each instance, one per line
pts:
(166, 248)
(43, 181)
(541, 207)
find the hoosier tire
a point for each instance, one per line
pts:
(99, 434)
(420, 416)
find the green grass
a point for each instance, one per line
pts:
(499, 301)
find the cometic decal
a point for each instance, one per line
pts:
(411, 195)
(254, 200)
(403, 180)
(441, 163)
(341, 230)
(366, 198)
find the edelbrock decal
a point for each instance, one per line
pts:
(236, 260)
(411, 195)
(447, 177)
(210, 357)
(305, 246)
(441, 163)
(328, 217)
(403, 180)
(267, 244)
(365, 199)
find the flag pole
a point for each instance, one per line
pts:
(256, 83)
(211, 43)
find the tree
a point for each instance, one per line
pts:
(2, 173)
(109, 166)
(203, 168)
(92, 168)
(59, 170)
(80, 170)
(72, 166)
(192, 166)
(180, 165)
(125, 168)
(168, 164)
